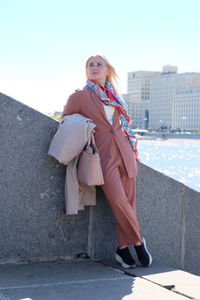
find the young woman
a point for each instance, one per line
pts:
(117, 146)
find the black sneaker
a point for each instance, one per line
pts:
(143, 255)
(124, 257)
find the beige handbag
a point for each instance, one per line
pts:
(89, 165)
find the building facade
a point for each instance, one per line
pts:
(173, 101)
(186, 108)
(138, 97)
(164, 100)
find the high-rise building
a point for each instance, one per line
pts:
(175, 100)
(138, 97)
(186, 108)
(164, 99)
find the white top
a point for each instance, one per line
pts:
(109, 110)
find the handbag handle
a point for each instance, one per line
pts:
(91, 143)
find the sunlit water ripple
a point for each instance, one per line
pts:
(177, 159)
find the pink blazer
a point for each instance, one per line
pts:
(87, 103)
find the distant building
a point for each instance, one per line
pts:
(174, 100)
(138, 97)
(168, 69)
(186, 108)
(164, 100)
(57, 113)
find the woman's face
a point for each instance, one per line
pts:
(97, 70)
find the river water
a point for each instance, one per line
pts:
(179, 159)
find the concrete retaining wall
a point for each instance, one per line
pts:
(169, 215)
(33, 225)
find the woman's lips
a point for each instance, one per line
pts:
(95, 73)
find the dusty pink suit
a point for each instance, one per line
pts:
(118, 163)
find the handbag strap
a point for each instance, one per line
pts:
(91, 143)
(93, 139)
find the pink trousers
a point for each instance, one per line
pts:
(120, 192)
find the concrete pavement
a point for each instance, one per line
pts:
(95, 280)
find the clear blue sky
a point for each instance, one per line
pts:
(44, 43)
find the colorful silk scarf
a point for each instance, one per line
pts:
(116, 101)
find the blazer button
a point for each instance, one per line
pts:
(112, 130)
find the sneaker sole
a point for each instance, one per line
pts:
(150, 257)
(123, 264)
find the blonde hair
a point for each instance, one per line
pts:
(112, 76)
